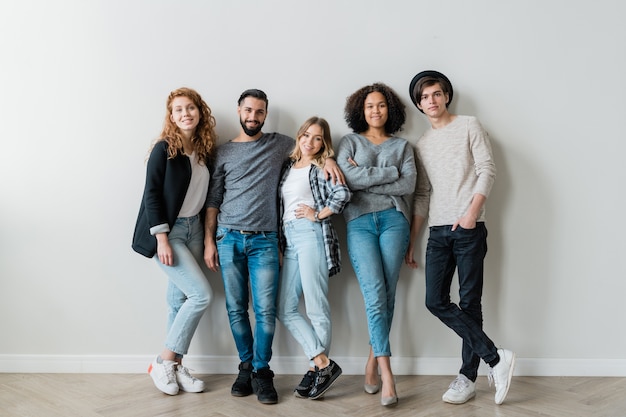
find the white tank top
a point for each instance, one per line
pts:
(197, 190)
(296, 190)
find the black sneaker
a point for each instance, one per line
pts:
(324, 378)
(263, 386)
(243, 383)
(303, 390)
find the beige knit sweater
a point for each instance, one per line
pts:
(454, 163)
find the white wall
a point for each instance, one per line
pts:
(83, 87)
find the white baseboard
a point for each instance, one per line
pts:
(297, 365)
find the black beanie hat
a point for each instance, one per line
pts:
(429, 73)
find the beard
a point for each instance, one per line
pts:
(251, 132)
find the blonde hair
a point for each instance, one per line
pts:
(204, 138)
(327, 144)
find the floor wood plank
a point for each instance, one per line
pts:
(131, 395)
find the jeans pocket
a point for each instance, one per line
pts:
(461, 229)
(271, 236)
(220, 234)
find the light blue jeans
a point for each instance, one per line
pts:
(250, 261)
(305, 273)
(377, 243)
(188, 290)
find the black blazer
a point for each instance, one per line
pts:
(167, 181)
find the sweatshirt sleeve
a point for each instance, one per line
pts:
(484, 165)
(405, 183)
(421, 198)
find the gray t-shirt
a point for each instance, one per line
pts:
(244, 182)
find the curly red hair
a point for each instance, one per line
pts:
(204, 139)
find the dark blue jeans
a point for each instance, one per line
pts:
(464, 249)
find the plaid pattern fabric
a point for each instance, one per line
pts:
(325, 194)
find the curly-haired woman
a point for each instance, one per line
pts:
(380, 170)
(169, 228)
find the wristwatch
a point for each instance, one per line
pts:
(316, 216)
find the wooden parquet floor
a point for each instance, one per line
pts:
(133, 395)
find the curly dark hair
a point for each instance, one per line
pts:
(354, 113)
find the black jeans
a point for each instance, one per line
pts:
(463, 249)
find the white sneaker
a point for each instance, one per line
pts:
(461, 390)
(502, 373)
(164, 376)
(188, 382)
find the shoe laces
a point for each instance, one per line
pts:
(185, 372)
(491, 376)
(265, 384)
(170, 373)
(459, 384)
(243, 376)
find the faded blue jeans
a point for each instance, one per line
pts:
(249, 265)
(188, 290)
(464, 249)
(305, 273)
(377, 243)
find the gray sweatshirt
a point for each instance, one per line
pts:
(244, 182)
(384, 178)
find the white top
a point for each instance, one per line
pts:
(296, 190)
(197, 190)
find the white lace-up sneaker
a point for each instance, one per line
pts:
(164, 376)
(188, 382)
(502, 373)
(460, 390)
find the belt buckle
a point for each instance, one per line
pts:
(248, 232)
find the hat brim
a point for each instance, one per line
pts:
(428, 73)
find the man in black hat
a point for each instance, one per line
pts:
(455, 175)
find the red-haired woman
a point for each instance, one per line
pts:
(169, 228)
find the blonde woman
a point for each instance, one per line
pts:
(310, 252)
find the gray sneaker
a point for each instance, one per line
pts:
(460, 390)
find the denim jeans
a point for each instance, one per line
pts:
(305, 273)
(250, 259)
(377, 243)
(464, 249)
(188, 290)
